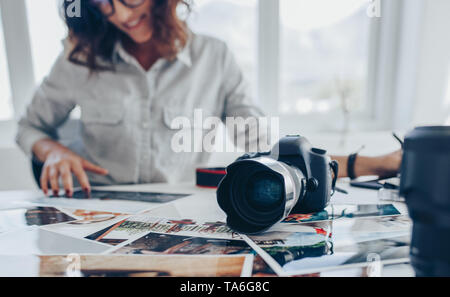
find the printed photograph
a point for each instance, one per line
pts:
(333, 212)
(91, 216)
(188, 227)
(119, 232)
(14, 219)
(156, 243)
(294, 253)
(130, 196)
(373, 268)
(111, 206)
(139, 225)
(88, 222)
(139, 266)
(389, 251)
(261, 269)
(358, 228)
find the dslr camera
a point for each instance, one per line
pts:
(261, 189)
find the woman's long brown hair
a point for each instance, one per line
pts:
(93, 36)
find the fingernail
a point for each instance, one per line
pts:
(87, 192)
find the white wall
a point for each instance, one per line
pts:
(434, 65)
(15, 172)
(15, 168)
(431, 103)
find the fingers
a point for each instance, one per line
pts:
(82, 177)
(61, 166)
(93, 168)
(53, 174)
(44, 180)
(66, 177)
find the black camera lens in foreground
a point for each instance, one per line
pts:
(258, 193)
(264, 191)
(426, 188)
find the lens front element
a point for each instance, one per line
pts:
(264, 191)
(257, 193)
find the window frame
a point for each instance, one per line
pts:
(380, 77)
(384, 46)
(18, 53)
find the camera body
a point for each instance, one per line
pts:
(261, 189)
(317, 168)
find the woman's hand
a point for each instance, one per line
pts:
(383, 166)
(387, 165)
(60, 162)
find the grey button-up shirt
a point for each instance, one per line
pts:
(126, 114)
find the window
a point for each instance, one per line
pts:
(237, 27)
(324, 56)
(301, 57)
(47, 30)
(6, 110)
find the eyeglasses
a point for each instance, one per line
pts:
(107, 8)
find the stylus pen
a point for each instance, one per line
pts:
(398, 138)
(341, 190)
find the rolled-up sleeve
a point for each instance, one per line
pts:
(240, 105)
(50, 107)
(236, 89)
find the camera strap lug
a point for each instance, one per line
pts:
(335, 167)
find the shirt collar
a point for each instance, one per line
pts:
(184, 55)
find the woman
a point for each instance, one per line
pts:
(133, 66)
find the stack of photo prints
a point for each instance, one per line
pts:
(54, 234)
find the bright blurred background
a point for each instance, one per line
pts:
(332, 70)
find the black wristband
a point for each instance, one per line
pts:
(351, 166)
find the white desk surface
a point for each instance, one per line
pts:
(202, 204)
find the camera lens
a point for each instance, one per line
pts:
(264, 191)
(257, 193)
(424, 184)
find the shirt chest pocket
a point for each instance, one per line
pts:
(106, 115)
(103, 126)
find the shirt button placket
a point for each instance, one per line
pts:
(144, 164)
(145, 126)
(152, 87)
